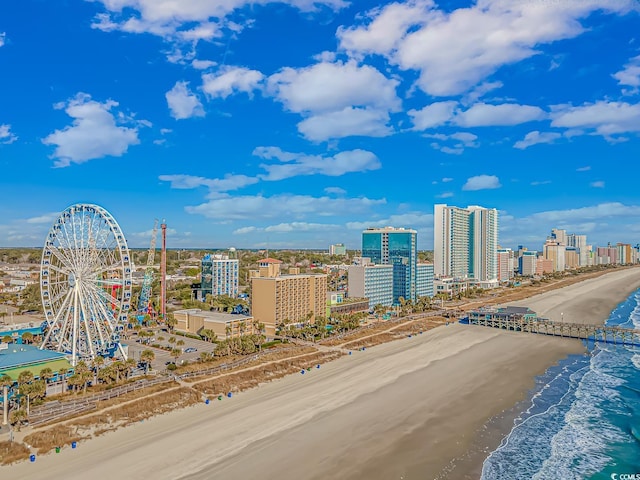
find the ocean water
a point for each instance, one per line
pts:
(583, 417)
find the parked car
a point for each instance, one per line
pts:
(190, 350)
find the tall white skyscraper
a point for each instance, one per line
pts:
(466, 243)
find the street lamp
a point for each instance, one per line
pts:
(562, 316)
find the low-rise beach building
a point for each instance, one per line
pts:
(224, 325)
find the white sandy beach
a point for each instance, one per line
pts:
(404, 409)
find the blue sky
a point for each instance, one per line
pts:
(298, 123)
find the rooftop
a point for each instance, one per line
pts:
(16, 355)
(218, 317)
(269, 260)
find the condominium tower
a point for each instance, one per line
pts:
(219, 276)
(397, 247)
(465, 243)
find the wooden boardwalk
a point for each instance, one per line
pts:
(596, 333)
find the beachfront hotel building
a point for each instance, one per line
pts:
(373, 282)
(527, 263)
(556, 252)
(224, 325)
(397, 247)
(286, 298)
(219, 276)
(505, 265)
(466, 243)
(424, 280)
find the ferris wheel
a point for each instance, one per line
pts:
(85, 282)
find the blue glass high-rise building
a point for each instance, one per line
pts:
(397, 247)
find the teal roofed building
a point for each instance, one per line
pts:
(16, 358)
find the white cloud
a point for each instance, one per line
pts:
(335, 190)
(445, 195)
(583, 169)
(3, 35)
(447, 180)
(187, 20)
(300, 227)
(245, 230)
(6, 135)
(183, 103)
(345, 123)
(458, 141)
(47, 218)
(603, 117)
(330, 87)
(228, 183)
(202, 64)
(203, 31)
(596, 212)
(94, 132)
(407, 220)
(540, 182)
(598, 184)
(297, 164)
(433, 115)
(630, 75)
(453, 51)
(482, 182)
(535, 137)
(229, 80)
(386, 28)
(284, 205)
(484, 115)
(480, 90)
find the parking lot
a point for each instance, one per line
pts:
(163, 357)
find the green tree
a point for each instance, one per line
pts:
(27, 337)
(46, 374)
(175, 353)
(63, 375)
(146, 357)
(7, 339)
(180, 343)
(18, 417)
(6, 382)
(171, 321)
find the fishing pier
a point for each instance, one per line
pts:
(521, 319)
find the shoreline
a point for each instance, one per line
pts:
(581, 302)
(419, 407)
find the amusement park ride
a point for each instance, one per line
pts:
(144, 303)
(85, 283)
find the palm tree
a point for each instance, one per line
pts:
(6, 382)
(146, 357)
(118, 368)
(130, 364)
(170, 321)
(205, 357)
(84, 374)
(17, 417)
(63, 374)
(46, 374)
(106, 375)
(175, 353)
